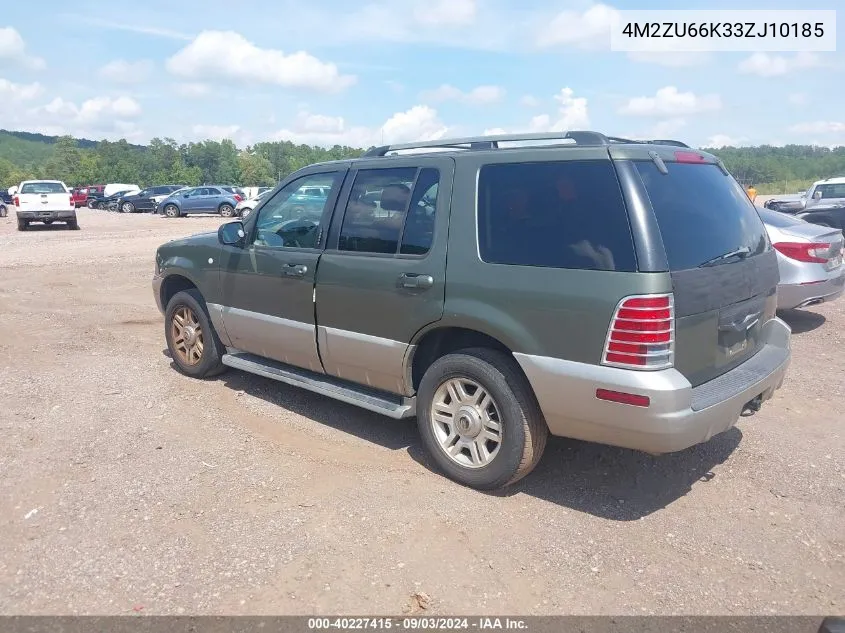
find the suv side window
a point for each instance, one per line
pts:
(289, 219)
(832, 190)
(567, 214)
(391, 211)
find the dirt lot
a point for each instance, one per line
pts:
(127, 487)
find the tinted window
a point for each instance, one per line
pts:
(211, 191)
(702, 213)
(419, 225)
(288, 219)
(558, 215)
(375, 213)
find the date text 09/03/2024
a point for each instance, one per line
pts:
(418, 623)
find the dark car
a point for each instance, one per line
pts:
(110, 202)
(145, 200)
(5, 202)
(597, 288)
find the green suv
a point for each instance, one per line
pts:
(499, 289)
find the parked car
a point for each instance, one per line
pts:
(809, 260)
(45, 201)
(88, 196)
(830, 191)
(245, 207)
(112, 188)
(5, 202)
(237, 193)
(204, 199)
(146, 199)
(109, 203)
(608, 290)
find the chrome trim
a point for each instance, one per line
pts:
(400, 409)
(365, 359)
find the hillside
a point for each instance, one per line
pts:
(82, 161)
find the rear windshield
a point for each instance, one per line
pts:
(43, 187)
(702, 213)
(554, 214)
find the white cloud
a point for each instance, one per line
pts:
(94, 110)
(798, 99)
(11, 92)
(670, 59)
(216, 132)
(193, 90)
(572, 114)
(493, 131)
(13, 49)
(226, 54)
(583, 29)
(99, 117)
(668, 102)
(419, 123)
(818, 127)
(529, 101)
(122, 71)
(668, 127)
(445, 12)
(765, 65)
(480, 95)
(718, 141)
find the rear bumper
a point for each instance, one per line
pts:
(803, 295)
(45, 214)
(678, 416)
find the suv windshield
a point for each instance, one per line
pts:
(43, 187)
(703, 214)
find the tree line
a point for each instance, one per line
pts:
(164, 161)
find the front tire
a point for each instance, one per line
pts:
(479, 419)
(227, 210)
(171, 211)
(245, 212)
(191, 340)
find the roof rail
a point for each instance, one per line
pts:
(492, 142)
(579, 137)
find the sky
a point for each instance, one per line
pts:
(363, 73)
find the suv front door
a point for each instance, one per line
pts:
(267, 286)
(382, 276)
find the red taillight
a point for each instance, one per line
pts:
(71, 200)
(238, 197)
(689, 157)
(642, 333)
(814, 253)
(17, 201)
(623, 398)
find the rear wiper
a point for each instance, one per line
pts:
(741, 252)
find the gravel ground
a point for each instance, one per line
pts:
(126, 487)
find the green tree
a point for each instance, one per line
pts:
(65, 162)
(255, 170)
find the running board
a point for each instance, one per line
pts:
(393, 406)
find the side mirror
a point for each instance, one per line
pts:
(231, 234)
(817, 195)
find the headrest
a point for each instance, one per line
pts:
(395, 197)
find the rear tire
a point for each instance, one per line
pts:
(187, 324)
(91, 204)
(522, 432)
(73, 224)
(227, 210)
(23, 225)
(171, 211)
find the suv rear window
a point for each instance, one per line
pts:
(554, 214)
(43, 187)
(702, 213)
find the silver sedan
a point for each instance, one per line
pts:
(809, 260)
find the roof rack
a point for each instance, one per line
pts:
(585, 138)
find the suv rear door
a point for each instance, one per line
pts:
(723, 268)
(382, 277)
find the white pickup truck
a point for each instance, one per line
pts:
(44, 201)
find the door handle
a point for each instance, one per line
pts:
(295, 270)
(412, 280)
